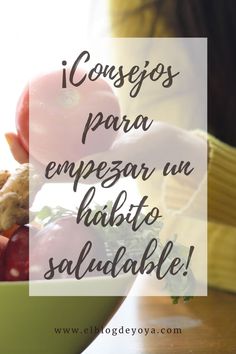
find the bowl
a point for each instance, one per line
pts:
(28, 324)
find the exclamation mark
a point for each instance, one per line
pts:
(189, 259)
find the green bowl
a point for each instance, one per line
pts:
(27, 324)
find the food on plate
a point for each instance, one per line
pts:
(14, 196)
(4, 175)
(59, 115)
(59, 119)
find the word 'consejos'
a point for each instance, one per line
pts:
(135, 74)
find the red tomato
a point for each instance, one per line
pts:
(3, 246)
(16, 256)
(58, 117)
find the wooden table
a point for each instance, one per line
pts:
(208, 326)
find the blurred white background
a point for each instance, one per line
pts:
(28, 25)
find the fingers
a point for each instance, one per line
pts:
(125, 151)
(163, 144)
(17, 150)
(130, 148)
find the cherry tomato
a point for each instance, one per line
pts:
(16, 256)
(3, 245)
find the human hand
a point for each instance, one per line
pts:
(161, 144)
(17, 150)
